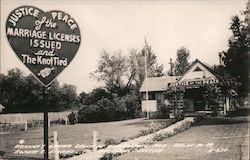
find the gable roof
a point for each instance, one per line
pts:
(158, 83)
(206, 71)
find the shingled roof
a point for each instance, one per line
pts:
(158, 83)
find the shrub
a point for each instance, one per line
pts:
(110, 156)
(96, 95)
(111, 141)
(160, 137)
(35, 123)
(101, 111)
(183, 127)
(154, 127)
(198, 118)
(105, 109)
(164, 109)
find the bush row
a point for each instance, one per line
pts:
(107, 109)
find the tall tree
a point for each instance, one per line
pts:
(181, 63)
(236, 58)
(110, 70)
(68, 98)
(153, 68)
(122, 73)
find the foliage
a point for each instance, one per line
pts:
(111, 141)
(110, 109)
(122, 73)
(154, 70)
(184, 126)
(164, 109)
(227, 80)
(162, 136)
(110, 156)
(72, 118)
(123, 77)
(94, 96)
(181, 63)
(82, 97)
(21, 93)
(155, 126)
(110, 70)
(236, 58)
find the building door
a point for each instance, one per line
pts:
(193, 99)
(188, 105)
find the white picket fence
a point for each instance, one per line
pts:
(23, 117)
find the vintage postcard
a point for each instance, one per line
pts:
(124, 80)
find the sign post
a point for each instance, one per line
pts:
(46, 43)
(45, 124)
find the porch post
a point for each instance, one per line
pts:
(227, 103)
(224, 106)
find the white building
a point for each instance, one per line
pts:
(188, 92)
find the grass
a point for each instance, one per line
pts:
(77, 134)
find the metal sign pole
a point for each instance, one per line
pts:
(146, 80)
(45, 124)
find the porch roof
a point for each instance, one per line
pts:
(158, 83)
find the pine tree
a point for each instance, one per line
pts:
(181, 63)
(236, 58)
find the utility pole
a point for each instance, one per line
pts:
(171, 67)
(146, 76)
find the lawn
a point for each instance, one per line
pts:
(212, 138)
(74, 134)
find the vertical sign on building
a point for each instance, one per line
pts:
(45, 42)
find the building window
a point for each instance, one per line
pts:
(151, 96)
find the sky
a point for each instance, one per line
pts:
(200, 26)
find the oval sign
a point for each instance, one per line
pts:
(46, 42)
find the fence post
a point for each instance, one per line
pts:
(26, 125)
(56, 148)
(48, 122)
(94, 145)
(66, 120)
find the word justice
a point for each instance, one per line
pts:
(21, 12)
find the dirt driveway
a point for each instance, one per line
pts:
(210, 139)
